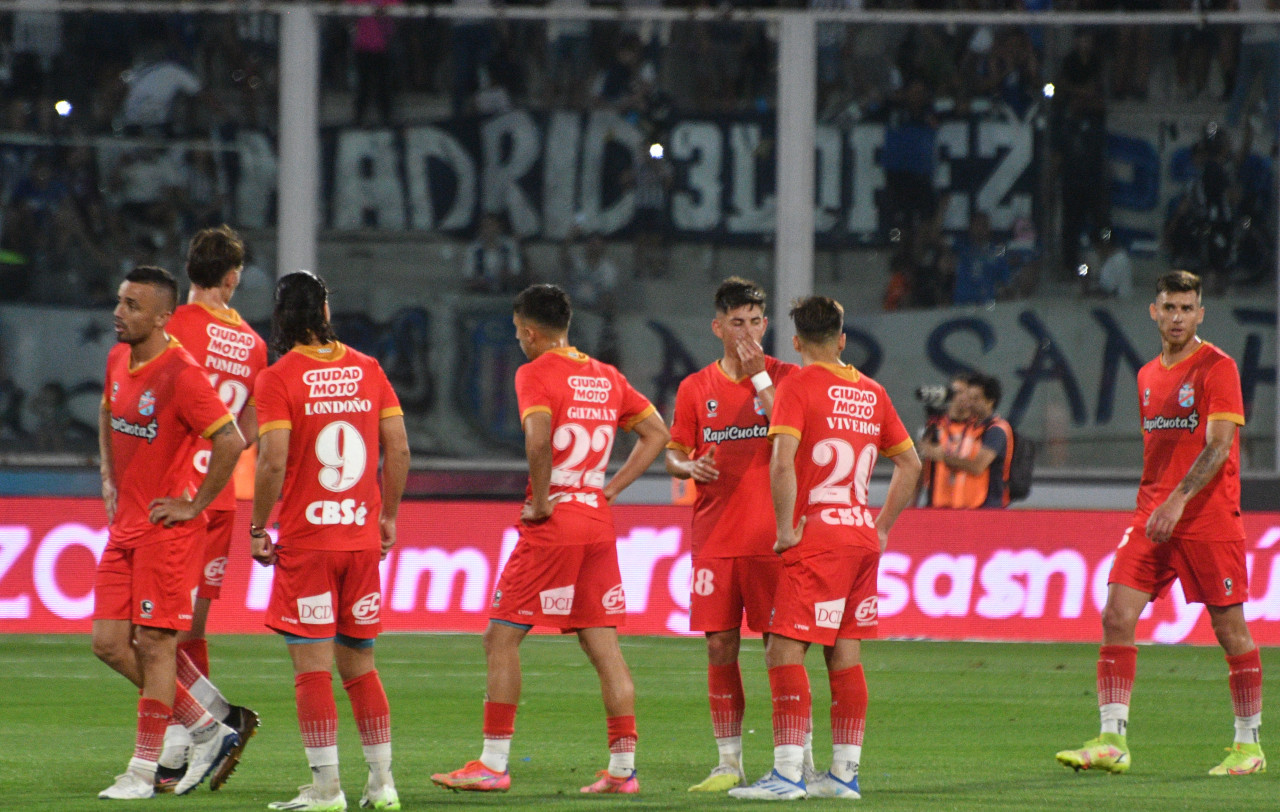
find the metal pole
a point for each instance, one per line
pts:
(797, 127)
(299, 182)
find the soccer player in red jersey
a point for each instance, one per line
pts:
(156, 404)
(323, 411)
(564, 572)
(719, 440)
(1187, 525)
(830, 424)
(232, 355)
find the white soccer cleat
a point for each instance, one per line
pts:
(772, 787)
(310, 800)
(384, 797)
(206, 756)
(129, 786)
(828, 786)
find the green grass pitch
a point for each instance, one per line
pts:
(963, 726)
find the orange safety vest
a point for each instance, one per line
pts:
(953, 488)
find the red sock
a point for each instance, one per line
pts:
(848, 705)
(1117, 666)
(370, 707)
(499, 720)
(153, 718)
(792, 704)
(317, 711)
(724, 690)
(187, 711)
(1245, 679)
(198, 650)
(622, 734)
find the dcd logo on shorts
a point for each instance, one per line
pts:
(558, 601)
(828, 614)
(366, 609)
(614, 601)
(214, 570)
(316, 608)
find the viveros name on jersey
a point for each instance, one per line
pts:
(229, 343)
(718, 436)
(590, 389)
(339, 382)
(329, 512)
(1162, 423)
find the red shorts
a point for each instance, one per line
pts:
(723, 588)
(211, 549)
(138, 584)
(566, 586)
(1211, 572)
(814, 591)
(320, 593)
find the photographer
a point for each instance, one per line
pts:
(970, 460)
(946, 412)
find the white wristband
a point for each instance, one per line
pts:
(761, 381)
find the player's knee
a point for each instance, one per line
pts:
(107, 650)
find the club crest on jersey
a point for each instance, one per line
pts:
(1146, 396)
(758, 405)
(115, 389)
(147, 404)
(1186, 396)
(713, 406)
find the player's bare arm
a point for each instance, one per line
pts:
(106, 464)
(751, 362)
(782, 485)
(248, 423)
(227, 445)
(701, 469)
(268, 481)
(395, 472)
(653, 437)
(902, 488)
(537, 448)
(1219, 436)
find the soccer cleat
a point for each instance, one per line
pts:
(828, 786)
(474, 777)
(606, 784)
(1108, 752)
(385, 797)
(245, 723)
(723, 777)
(1242, 759)
(168, 777)
(310, 800)
(772, 787)
(129, 786)
(810, 773)
(206, 757)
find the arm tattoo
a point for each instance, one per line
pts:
(226, 427)
(1207, 464)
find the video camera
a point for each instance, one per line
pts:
(935, 398)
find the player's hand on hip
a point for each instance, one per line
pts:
(533, 514)
(262, 549)
(387, 524)
(170, 511)
(1162, 520)
(703, 469)
(109, 495)
(788, 540)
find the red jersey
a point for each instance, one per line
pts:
(733, 515)
(331, 399)
(588, 401)
(232, 355)
(158, 412)
(1176, 404)
(844, 421)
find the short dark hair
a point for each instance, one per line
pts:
(298, 317)
(818, 319)
(545, 305)
(153, 275)
(736, 292)
(1178, 282)
(990, 385)
(212, 253)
